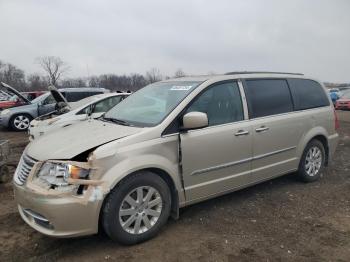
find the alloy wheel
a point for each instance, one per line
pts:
(21, 122)
(140, 210)
(313, 161)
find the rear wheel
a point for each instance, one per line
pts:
(136, 209)
(312, 161)
(20, 122)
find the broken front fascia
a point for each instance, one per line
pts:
(95, 190)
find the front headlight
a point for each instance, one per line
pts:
(55, 175)
(5, 112)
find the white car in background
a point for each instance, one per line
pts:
(90, 107)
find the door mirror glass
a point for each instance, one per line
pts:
(194, 120)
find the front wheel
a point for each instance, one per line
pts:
(136, 209)
(20, 122)
(312, 161)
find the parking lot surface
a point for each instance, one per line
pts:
(280, 220)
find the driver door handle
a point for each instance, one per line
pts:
(262, 129)
(242, 133)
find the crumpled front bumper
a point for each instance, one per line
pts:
(58, 216)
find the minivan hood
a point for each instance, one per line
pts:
(68, 142)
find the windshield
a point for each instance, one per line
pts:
(346, 95)
(151, 104)
(40, 98)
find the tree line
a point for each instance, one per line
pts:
(54, 71)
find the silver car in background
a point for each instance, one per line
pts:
(90, 107)
(18, 118)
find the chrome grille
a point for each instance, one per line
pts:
(24, 167)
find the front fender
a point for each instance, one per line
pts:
(129, 166)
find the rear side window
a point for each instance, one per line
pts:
(307, 94)
(268, 97)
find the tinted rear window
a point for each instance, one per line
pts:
(307, 94)
(76, 96)
(268, 97)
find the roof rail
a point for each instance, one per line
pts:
(261, 72)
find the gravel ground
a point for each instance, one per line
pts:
(280, 220)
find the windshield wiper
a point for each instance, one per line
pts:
(117, 121)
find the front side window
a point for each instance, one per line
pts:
(222, 103)
(268, 97)
(106, 104)
(49, 100)
(151, 104)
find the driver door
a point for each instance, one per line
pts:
(47, 105)
(217, 159)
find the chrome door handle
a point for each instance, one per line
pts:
(242, 133)
(262, 129)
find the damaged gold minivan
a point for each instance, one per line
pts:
(172, 144)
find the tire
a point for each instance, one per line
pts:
(117, 203)
(20, 122)
(311, 165)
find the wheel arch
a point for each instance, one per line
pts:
(165, 176)
(320, 135)
(324, 141)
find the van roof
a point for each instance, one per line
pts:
(261, 72)
(238, 74)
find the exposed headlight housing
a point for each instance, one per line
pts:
(52, 120)
(5, 112)
(56, 175)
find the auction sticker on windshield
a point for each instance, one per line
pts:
(180, 88)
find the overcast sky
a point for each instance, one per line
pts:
(96, 37)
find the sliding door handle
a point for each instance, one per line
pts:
(262, 129)
(242, 133)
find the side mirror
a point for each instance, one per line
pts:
(194, 120)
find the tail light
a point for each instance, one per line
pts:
(336, 121)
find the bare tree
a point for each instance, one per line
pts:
(53, 66)
(94, 81)
(153, 75)
(36, 82)
(13, 76)
(179, 73)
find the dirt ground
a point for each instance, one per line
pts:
(280, 220)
